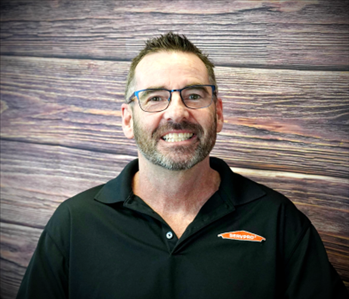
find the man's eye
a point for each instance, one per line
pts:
(155, 99)
(194, 97)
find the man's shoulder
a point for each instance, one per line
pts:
(243, 191)
(93, 202)
(79, 202)
(269, 197)
(83, 198)
(277, 209)
(88, 194)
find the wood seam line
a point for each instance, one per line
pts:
(284, 174)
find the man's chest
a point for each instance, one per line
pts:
(145, 260)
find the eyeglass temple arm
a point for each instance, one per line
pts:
(131, 97)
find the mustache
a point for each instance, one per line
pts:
(184, 125)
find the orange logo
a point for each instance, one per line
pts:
(242, 235)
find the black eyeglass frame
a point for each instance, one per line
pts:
(136, 93)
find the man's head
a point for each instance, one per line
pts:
(179, 136)
(167, 42)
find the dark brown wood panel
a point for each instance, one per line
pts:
(285, 120)
(298, 34)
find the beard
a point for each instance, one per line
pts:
(176, 157)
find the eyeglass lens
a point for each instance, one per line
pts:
(194, 97)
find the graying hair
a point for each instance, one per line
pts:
(168, 42)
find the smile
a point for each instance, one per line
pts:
(176, 137)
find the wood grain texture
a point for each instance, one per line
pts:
(282, 70)
(297, 34)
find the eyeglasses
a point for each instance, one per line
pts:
(158, 99)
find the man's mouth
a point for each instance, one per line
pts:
(176, 137)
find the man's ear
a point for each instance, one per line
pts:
(127, 121)
(219, 114)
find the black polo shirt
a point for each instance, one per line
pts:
(247, 241)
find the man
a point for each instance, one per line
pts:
(176, 223)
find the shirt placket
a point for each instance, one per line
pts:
(214, 209)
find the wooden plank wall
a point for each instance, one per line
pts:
(282, 70)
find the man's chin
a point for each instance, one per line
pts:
(175, 162)
(176, 157)
(176, 165)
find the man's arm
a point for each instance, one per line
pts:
(47, 274)
(308, 272)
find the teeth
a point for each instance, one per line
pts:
(175, 137)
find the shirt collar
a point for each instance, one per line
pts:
(120, 188)
(236, 188)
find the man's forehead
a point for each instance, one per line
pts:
(170, 59)
(165, 59)
(164, 63)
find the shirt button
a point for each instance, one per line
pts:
(169, 235)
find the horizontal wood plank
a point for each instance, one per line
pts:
(295, 121)
(287, 34)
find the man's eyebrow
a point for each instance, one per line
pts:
(163, 87)
(195, 84)
(155, 87)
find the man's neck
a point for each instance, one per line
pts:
(177, 196)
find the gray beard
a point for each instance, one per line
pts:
(181, 157)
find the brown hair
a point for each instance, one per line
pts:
(168, 42)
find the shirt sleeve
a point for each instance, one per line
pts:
(47, 273)
(308, 272)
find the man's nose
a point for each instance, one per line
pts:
(176, 111)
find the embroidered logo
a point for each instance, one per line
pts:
(242, 235)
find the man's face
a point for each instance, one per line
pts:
(177, 138)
